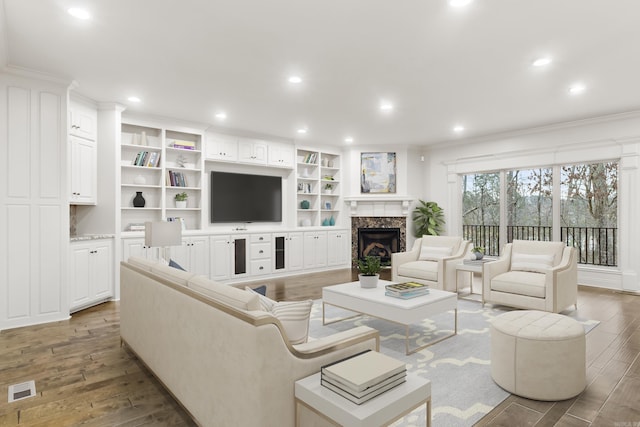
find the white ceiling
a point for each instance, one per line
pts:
(439, 66)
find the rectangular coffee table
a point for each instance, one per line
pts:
(373, 302)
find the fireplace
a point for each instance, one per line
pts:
(380, 242)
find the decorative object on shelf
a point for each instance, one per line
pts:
(306, 222)
(478, 252)
(181, 200)
(135, 139)
(140, 180)
(325, 222)
(328, 188)
(369, 271)
(378, 172)
(327, 206)
(324, 161)
(332, 220)
(138, 200)
(428, 219)
(143, 138)
(305, 204)
(330, 163)
(181, 161)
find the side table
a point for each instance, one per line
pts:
(471, 268)
(379, 411)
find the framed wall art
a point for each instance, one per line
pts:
(378, 173)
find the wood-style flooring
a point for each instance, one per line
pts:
(84, 377)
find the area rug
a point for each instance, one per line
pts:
(462, 390)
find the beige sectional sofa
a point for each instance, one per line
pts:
(227, 362)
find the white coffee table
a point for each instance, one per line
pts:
(373, 302)
(379, 411)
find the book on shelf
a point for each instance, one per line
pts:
(147, 158)
(406, 287)
(407, 295)
(359, 398)
(364, 370)
(176, 179)
(477, 261)
(136, 226)
(177, 219)
(184, 145)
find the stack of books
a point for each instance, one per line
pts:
(176, 179)
(184, 145)
(147, 159)
(363, 376)
(406, 290)
(136, 226)
(477, 261)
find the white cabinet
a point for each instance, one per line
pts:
(315, 249)
(281, 155)
(260, 254)
(193, 254)
(288, 252)
(82, 121)
(252, 151)
(229, 256)
(135, 247)
(221, 147)
(338, 248)
(83, 168)
(91, 273)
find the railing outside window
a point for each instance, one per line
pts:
(595, 245)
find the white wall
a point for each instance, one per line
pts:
(615, 137)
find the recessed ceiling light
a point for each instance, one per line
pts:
(458, 128)
(221, 115)
(295, 79)
(348, 140)
(302, 130)
(76, 12)
(386, 106)
(459, 3)
(134, 99)
(541, 62)
(577, 88)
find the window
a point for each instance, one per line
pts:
(481, 210)
(529, 204)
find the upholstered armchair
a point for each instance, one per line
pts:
(432, 261)
(532, 275)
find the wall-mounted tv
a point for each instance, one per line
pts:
(239, 197)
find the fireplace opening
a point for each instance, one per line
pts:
(380, 242)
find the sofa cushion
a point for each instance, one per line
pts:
(521, 283)
(533, 247)
(294, 316)
(426, 270)
(174, 264)
(265, 302)
(177, 276)
(531, 262)
(226, 294)
(142, 263)
(434, 253)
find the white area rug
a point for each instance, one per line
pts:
(459, 367)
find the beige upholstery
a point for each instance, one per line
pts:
(439, 273)
(225, 365)
(553, 291)
(538, 355)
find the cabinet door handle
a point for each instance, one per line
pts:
(261, 251)
(261, 238)
(261, 268)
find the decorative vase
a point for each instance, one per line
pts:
(330, 163)
(140, 180)
(143, 138)
(181, 204)
(478, 255)
(368, 281)
(332, 220)
(305, 204)
(306, 222)
(328, 191)
(325, 222)
(138, 201)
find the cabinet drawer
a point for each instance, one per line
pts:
(259, 238)
(260, 250)
(261, 266)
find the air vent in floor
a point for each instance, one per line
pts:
(22, 391)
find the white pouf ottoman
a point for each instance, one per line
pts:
(538, 355)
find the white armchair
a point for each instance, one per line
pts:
(532, 275)
(432, 261)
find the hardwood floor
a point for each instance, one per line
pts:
(84, 377)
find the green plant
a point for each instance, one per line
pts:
(369, 266)
(428, 219)
(328, 186)
(477, 249)
(181, 197)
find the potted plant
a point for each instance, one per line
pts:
(478, 252)
(369, 271)
(181, 200)
(428, 219)
(328, 188)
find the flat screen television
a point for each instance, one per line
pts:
(239, 197)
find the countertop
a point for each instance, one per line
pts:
(83, 237)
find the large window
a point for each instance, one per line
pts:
(586, 204)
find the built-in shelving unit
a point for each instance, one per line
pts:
(171, 164)
(318, 188)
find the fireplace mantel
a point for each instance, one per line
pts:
(379, 205)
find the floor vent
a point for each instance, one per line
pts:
(22, 391)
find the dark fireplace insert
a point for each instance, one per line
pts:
(380, 242)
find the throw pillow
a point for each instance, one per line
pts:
(262, 290)
(265, 302)
(434, 253)
(294, 316)
(174, 264)
(530, 262)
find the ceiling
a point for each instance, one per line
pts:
(439, 66)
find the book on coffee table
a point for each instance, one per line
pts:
(365, 370)
(406, 287)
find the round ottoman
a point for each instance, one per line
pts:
(538, 355)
